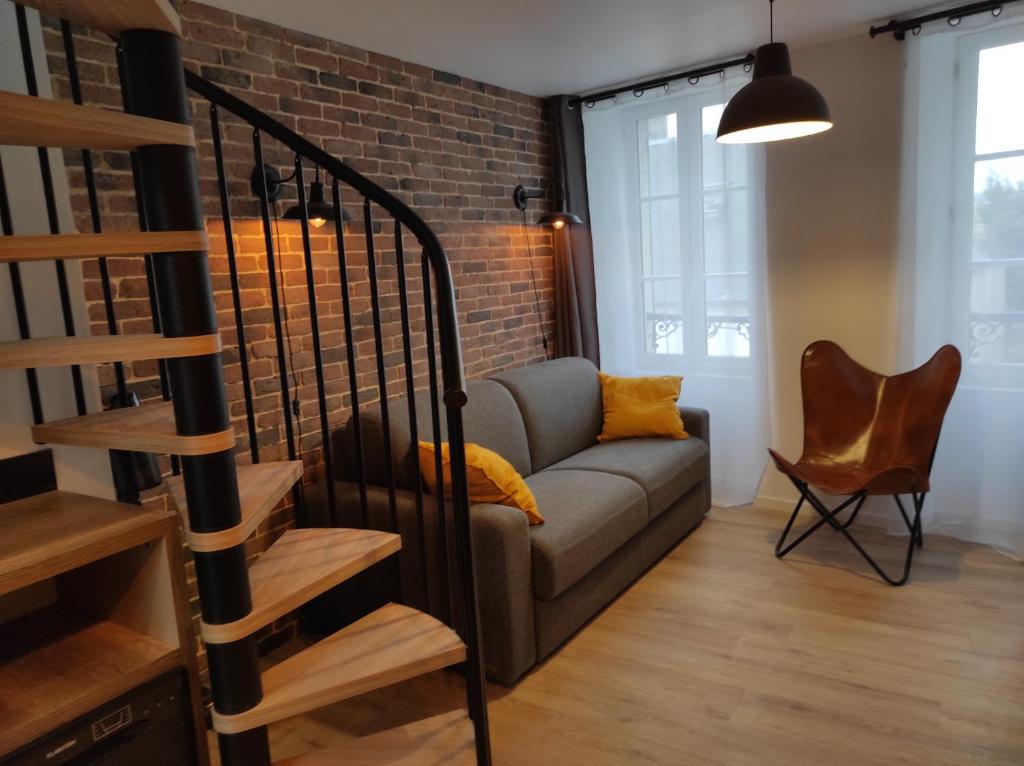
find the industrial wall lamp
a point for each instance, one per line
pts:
(558, 219)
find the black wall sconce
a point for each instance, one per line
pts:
(318, 210)
(558, 219)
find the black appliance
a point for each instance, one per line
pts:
(149, 726)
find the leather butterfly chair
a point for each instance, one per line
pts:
(867, 434)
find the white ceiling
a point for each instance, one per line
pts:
(544, 47)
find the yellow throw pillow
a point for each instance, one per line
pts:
(635, 407)
(490, 477)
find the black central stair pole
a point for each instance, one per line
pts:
(154, 79)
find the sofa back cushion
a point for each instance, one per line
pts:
(560, 401)
(490, 419)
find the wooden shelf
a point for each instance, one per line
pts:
(260, 488)
(73, 666)
(302, 564)
(444, 740)
(113, 16)
(97, 349)
(149, 428)
(32, 121)
(46, 247)
(392, 644)
(44, 535)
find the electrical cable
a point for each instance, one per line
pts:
(295, 403)
(536, 294)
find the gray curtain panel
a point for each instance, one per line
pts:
(575, 294)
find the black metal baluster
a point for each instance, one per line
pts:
(20, 309)
(410, 392)
(51, 207)
(229, 238)
(275, 304)
(314, 324)
(350, 350)
(147, 258)
(382, 384)
(435, 418)
(94, 206)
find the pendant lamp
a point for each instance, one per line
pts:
(775, 105)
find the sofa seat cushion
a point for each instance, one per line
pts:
(587, 516)
(667, 469)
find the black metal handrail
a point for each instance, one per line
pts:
(451, 353)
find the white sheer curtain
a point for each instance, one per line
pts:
(678, 226)
(962, 264)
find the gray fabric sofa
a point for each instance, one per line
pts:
(611, 509)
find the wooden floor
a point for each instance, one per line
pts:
(722, 654)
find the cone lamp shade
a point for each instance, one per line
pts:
(559, 220)
(775, 105)
(318, 210)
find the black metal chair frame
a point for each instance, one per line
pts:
(830, 517)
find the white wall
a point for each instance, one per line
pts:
(78, 469)
(832, 230)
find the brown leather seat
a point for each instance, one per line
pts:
(867, 433)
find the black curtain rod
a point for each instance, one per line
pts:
(899, 28)
(638, 89)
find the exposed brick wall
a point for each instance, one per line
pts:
(451, 148)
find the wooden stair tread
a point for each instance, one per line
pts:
(444, 740)
(44, 535)
(392, 644)
(45, 247)
(32, 121)
(260, 487)
(96, 349)
(302, 564)
(149, 428)
(112, 16)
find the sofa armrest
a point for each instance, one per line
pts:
(504, 579)
(502, 562)
(697, 423)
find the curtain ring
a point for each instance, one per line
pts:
(589, 104)
(747, 67)
(571, 105)
(916, 30)
(954, 21)
(693, 80)
(997, 11)
(665, 86)
(615, 98)
(721, 74)
(638, 92)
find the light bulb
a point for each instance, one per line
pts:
(317, 222)
(558, 224)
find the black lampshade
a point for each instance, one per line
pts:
(774, 105)
(318, 209)
(559, 220)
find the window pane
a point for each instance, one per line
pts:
(725, 232)
(727, 303)
(659, 231)
(997, 274)
(659, 166)
(1000, 125)
(722, 164)
(997, 287)
(999, 209)
(663, 316)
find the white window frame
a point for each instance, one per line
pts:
(969, 47)
(695, 358)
